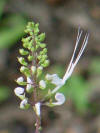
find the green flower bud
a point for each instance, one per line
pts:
(41, 37)
(22, 61)
(46, 63)
(42, 45)
(39, 57)
(32, 49)
(44, 57)
(36, 29)
(30, 57)
(23, 52)
(30, 44)
(26, 40)
(39, 71)
(30, 25)
(25, 71)
(33, 69)
(25, 45)
(37, 46)
(29, 88)
(44, 50)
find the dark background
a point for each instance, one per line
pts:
(59, 19)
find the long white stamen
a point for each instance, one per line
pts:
(82, 48)
(76, 45)
(72, 63)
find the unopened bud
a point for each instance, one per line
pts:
(22, 61)
(41, 37)
(23, 52)
(29, 88)
(30, 57)
(46, 63)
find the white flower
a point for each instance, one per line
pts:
(37, 109)
(54, 79)
(20, 79)
(24, 104)
(60, 99)
(29, 80)
(42, 84)
(19, 91)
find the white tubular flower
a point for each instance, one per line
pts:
(74, 60)
(29, 88)
(24, 104)
(19, 91)
(54, 79)
(60, 99)
(29, 81)
(42, 84)
(38, 109)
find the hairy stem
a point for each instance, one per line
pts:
(37, 124)
(34, 62)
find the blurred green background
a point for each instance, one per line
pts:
(59, 19)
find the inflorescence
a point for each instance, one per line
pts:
(33, 60)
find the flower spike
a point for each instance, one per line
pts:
(33, 59)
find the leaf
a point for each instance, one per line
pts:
(12, 31)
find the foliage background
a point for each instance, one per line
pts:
(60, 20)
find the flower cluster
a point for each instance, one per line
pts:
(33, 60)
